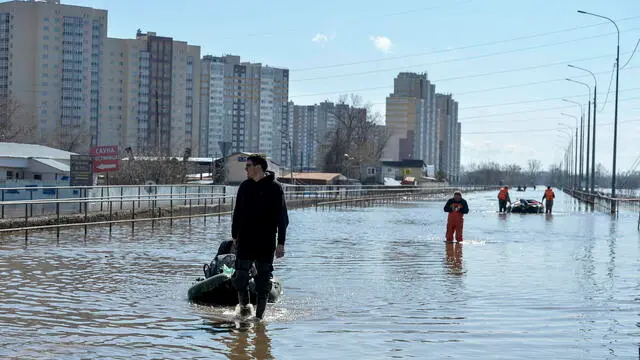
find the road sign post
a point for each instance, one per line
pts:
(80, 170)
(105, 158)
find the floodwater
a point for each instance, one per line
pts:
(369, 283)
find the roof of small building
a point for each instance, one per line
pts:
(313, 176)
(20, 150)
(409, 163)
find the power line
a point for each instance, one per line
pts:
(460, 47)
(632, 53)
(350, 22)
(464, 59)
(604, 104)
(532, 101)
(532, 111)
(538, 130)
(463, 93)
(461, 77)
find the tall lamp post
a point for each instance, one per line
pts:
(581, 143)
(576, 143)
(590, 130)
(570, 152)
(574, 149)
(587, 177)
(615, 118)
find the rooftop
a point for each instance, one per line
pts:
(19, 150)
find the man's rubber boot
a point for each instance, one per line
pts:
(243, 303)
(261, 306)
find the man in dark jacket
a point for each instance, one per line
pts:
(259, 213)
(456, 207)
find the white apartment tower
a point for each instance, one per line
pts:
(50, 60)
(246, 106)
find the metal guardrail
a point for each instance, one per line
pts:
(152, 207)
(604, 202)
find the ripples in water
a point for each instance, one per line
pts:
(367, 282)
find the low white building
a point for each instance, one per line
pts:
(234, 168)
(29, 162)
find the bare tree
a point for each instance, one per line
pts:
(358, 138)
(75, 139)
(15, 126)
(534, 169)
(143, 167)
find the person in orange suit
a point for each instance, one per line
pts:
(548, 197)
(456, 207)
(503, 198)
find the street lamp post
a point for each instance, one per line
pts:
(288, 141)
(568, 153)
(587, 167)
(573, 160)
(581, 143)
(615, 118)
(575, 165)
(593, 133)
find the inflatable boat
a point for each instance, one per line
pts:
(217, 289)
(527, 206)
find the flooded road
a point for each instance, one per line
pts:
(370, 283)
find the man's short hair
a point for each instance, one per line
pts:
(258, 159)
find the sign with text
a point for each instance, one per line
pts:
(80, 170)
(105, 158)
(107, 150)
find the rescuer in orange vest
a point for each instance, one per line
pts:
(503, 198)
(456, 207)
(548, 198)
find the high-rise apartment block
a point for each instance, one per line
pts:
(423, 125)
(410, 118)
(50, 61)
(150, 91)
(449, 137)
(246, 105)
(312, 129)
(81, 88)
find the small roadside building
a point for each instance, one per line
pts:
(400, 170)
(233, 165)
(314, 178)
(30, 162)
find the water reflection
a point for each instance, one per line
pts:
(453, 258)
(242, 340)
(376, 280)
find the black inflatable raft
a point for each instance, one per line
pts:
(218, 290)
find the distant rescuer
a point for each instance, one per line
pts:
(259, 213)
(548, 198)
(456, 207)
(503, 198)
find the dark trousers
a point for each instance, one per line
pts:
(503, 205)
(262, 279)
(548, 206)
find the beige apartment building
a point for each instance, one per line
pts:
(50, 58)
(80, 88)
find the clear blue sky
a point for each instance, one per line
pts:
(442, 34)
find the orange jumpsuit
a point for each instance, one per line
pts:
(455, 219)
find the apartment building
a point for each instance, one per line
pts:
(151, 95)
(449, 136)
(50, 62)
(244, 104)
(411, 119)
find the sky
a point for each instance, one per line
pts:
(504, 61)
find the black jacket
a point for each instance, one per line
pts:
(260, 211)
(463, 202)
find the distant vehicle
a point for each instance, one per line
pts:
(526, 206)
